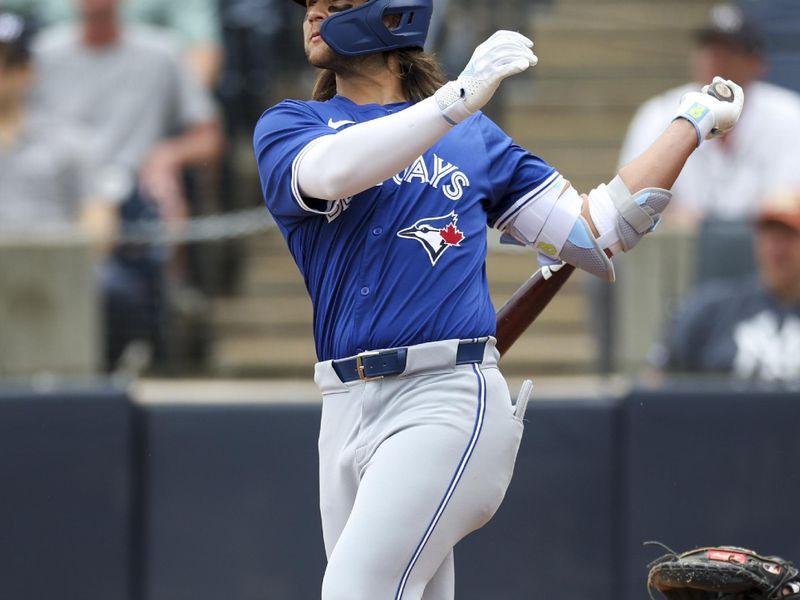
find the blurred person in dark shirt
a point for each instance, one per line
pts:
(46, 178)
(749, 328)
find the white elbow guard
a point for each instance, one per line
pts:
(623, 218)
(553, 225)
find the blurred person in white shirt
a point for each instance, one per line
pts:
(195, 24)
(147, 118)
(46, 178)
(148, 121)
(726, 180)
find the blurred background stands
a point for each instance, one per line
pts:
(598, 61)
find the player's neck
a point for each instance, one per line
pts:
(788, 295)
(379, 85)
(101, 30)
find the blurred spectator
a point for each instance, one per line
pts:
(748, 328)
(195, 23)
(147, 120)
(726, 180)
(45, 169)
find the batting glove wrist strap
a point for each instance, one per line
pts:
(450, 99)
(712, 114)
(694, 108)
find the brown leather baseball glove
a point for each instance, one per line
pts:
(723, 573)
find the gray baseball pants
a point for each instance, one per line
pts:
(409, 465)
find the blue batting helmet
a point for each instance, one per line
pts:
(361, 30)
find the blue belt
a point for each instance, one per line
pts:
(382, 363)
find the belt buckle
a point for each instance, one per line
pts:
(360, 366)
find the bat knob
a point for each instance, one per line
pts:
(721, 91)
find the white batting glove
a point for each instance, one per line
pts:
(504, 54)
(714, 110)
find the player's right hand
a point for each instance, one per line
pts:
(711, 114)
(504, 54)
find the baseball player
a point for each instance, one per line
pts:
(383, 187)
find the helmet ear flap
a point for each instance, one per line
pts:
(363, 29)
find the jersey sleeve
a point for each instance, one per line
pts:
(674, 351)
(688, 331)
(282, 136)
(516, 176)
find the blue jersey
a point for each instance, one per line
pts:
(401, 263)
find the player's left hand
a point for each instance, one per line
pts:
(714, 110)
(504, 54)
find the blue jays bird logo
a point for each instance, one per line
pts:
(436, 234)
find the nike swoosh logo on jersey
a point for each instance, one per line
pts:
(337, 124)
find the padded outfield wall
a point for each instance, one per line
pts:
(103, 498)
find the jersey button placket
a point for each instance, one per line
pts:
(366, 293)
(363, 311)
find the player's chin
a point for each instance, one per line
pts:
(320, 55)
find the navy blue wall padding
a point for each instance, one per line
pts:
(65, 494)
(232, 503)
(559, 512)
(707, 467)
(201, 502)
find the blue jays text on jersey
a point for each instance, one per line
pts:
(401, 263)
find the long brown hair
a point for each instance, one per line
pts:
(420, 72)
